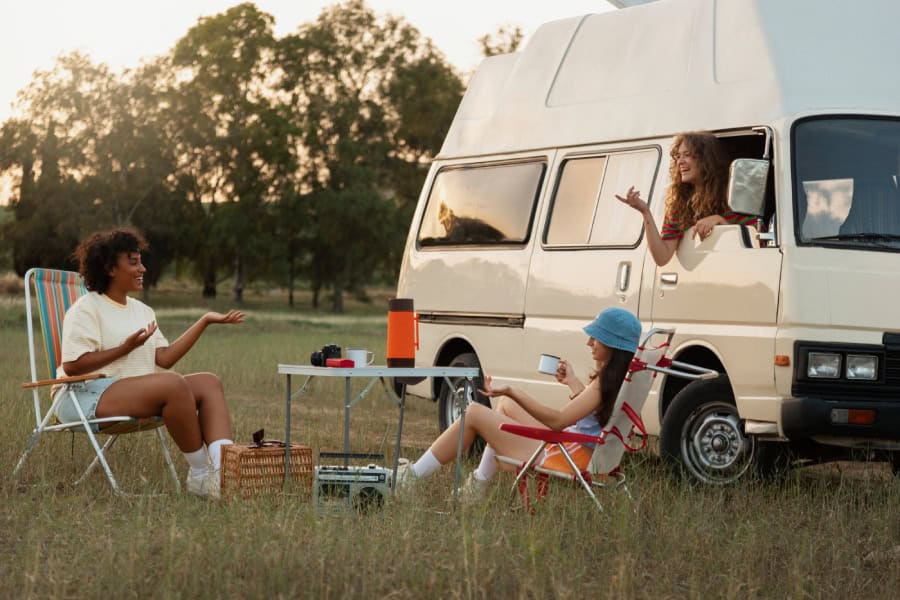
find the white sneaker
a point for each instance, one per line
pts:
(404, 477)
(197, 485)
(474, 490)
(214, 484)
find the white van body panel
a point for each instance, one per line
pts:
(679, 65)
(632, 79)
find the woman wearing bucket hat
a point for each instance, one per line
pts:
(613, 339)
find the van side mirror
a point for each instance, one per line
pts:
(747, 186)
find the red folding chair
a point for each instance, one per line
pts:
(617, 436)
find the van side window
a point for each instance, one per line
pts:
(585, 211)
(481, 205)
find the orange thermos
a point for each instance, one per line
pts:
(402, 333)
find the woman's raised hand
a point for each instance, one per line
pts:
(231, 317)
(633, 199)
(137, 339)
(491, 392)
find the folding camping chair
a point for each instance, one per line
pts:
(54, 292)
(616, 438)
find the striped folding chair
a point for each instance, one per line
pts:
(54, 292)
(617, 436)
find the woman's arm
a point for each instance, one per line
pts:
(168, 356)
(585, 402)
(661, 250)
(90, 362)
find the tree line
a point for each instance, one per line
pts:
(239, 155)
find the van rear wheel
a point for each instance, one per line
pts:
(452, 400)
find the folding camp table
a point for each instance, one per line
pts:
(375, 374)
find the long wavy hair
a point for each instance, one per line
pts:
(687, 203)
(611, 379)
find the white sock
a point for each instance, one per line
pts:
(197, 460)
(215, 452)
(426, 465)
(488, 465)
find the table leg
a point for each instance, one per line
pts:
(287, 434)
(399, 433)
(346, 421)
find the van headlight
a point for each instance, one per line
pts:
(823, 365)
(862, 366)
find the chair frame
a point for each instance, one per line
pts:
(585, 478)
(54, 308)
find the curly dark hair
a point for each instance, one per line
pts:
(97, 254)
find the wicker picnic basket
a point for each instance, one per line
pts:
(258, 468)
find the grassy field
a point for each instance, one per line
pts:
(823, 533)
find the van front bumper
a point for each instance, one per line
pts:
(807, 417)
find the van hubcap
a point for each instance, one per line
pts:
(714, 446)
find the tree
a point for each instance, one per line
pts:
(352, 75)
(503, 41)
(90, 154)
(230, 136)
(51, 149)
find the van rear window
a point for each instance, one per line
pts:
(482, 205)
(585, 211)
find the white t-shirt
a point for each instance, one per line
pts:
(96, 322)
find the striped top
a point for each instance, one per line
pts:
(672, 230)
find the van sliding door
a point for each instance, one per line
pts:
(590, 258)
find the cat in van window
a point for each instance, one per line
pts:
(466, 229)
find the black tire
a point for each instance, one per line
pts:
(450, 402)
(895, 463)
(702, 437)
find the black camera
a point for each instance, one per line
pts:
(317, 359)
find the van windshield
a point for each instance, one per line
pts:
(846, 182)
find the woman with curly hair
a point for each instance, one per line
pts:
(696, 197)
(107, 331)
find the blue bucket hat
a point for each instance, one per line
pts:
(615, 328)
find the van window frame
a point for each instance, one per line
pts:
(540, 159)
(795, 201)
(551, 203)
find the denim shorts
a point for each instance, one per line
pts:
(88, 394)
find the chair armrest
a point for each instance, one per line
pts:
(550, 436)
(61, 380)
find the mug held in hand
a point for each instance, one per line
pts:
(548, 364)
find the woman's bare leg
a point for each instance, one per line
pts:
(212, 411)
(481, 420)
(160, 394)
(512, 409)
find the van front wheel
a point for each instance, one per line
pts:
(452, 400)
(702, 436)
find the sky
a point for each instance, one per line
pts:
(122, 32)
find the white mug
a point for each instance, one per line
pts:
(360, 357)
(548, 364)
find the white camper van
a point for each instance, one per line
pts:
(518, 240)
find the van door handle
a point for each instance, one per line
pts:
(624, 275)
(669, 278)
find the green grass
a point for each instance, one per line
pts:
(822, 533)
